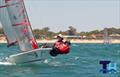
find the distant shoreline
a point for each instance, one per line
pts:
(81, 41)
(74, 41)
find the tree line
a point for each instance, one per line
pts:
(45, 32)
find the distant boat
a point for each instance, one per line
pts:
(17, 30)
(106, 37)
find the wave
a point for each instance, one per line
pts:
(6, 63)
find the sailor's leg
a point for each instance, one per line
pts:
(54, 52)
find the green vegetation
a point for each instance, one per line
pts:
(46, 33)
(43, 33)
(110, 31)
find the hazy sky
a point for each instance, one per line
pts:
(85, 15)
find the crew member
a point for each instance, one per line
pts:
(33, 43)
(60, 47)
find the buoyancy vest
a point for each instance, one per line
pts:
(62, 47)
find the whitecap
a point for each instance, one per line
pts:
(6, 63)
(76, 58)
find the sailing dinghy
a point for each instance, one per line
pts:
(17, 30)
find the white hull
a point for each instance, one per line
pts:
(29, 57)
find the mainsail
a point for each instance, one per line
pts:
(14, 13)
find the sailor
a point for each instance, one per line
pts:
(33, 43)
(60, 47)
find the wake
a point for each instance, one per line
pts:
(6, 63)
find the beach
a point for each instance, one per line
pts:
(117, 41)
(81, 41)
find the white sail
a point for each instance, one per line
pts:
(106, 36)
(6, 23)
(20, 24)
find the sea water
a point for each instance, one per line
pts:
(82, 61)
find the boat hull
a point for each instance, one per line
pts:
(30, 56)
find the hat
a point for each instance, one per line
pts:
(60, 35)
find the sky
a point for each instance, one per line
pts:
(84, 15)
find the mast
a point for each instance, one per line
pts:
(20, 24)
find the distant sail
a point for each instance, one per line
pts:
(20, 24)
(106, 36)
(7, 25)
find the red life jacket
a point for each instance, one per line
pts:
(63, 48)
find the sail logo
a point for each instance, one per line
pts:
(108, 67)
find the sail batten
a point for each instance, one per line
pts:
(20, 25)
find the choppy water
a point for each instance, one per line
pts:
(82, 61)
